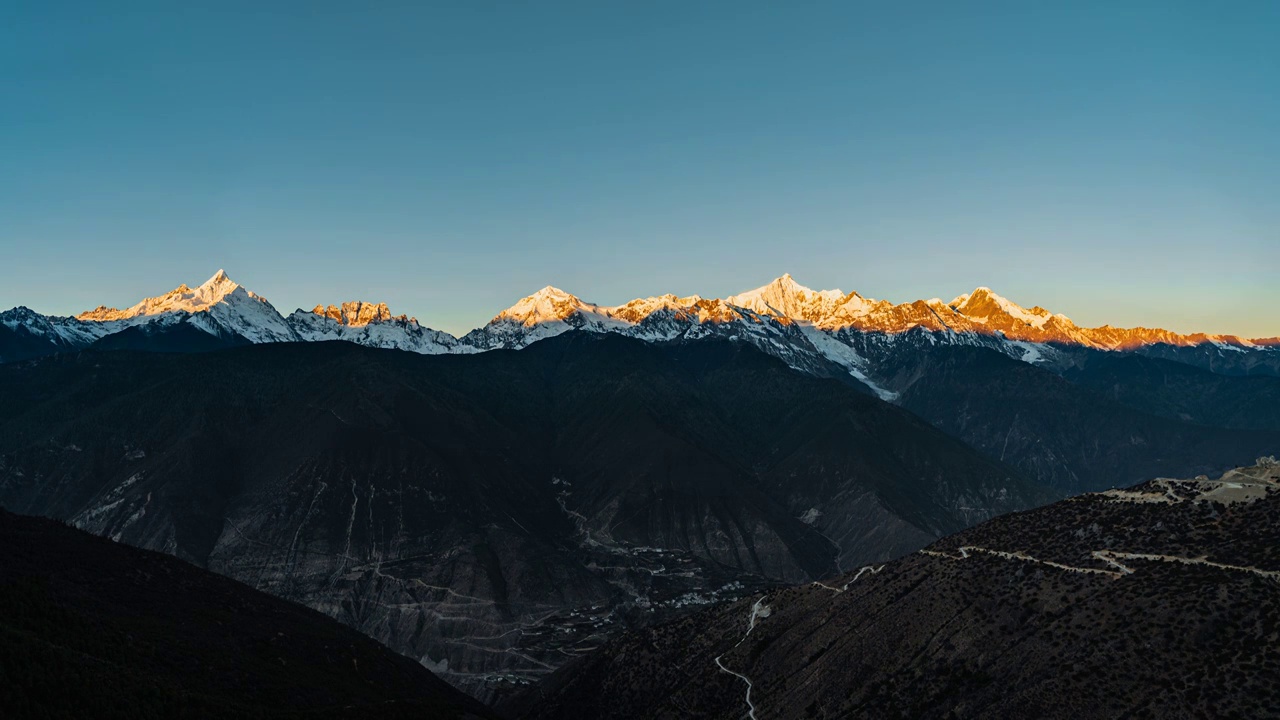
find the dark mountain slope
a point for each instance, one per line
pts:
(1182, 392)
(1160, 602)
(1221, 360)
(93, 628)
(494, 514)
(182, 337)
(19, 343)
(1070, 436)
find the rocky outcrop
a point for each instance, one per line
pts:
(357, 313)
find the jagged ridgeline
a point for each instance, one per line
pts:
(1158, 601)
(826, 332)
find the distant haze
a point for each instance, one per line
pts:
(1117, 162)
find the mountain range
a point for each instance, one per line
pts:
(827, 332)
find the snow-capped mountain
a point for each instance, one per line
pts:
(822, 332)
(546, 313)
(830, 332)
(373, 325)
(56, 330)
(219, 307)
(668, 318)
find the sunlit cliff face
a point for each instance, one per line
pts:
(359, 314)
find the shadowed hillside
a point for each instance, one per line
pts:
(92, 628)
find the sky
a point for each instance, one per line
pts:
(1118, 162)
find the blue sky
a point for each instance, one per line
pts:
(1115, 161)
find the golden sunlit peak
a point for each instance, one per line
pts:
(551, 291)
(220, 281)
(547, 305)
(181, 299)
(784, 297)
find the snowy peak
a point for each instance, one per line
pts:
(784, 297)
(20, 315)
(218, 286)
(637, 310)
(984, 305)
(180, 299)
(218, 306)
(548, 312)
(550, 304)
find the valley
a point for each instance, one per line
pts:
(491, 515)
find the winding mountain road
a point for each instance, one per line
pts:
(1110, 557)
(758, 610)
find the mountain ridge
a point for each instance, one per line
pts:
(782, 297)
(823, 332)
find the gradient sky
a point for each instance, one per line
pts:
(1115, 161)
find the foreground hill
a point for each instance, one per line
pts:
(1161, 601)
(493, 514)
(91, 628)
